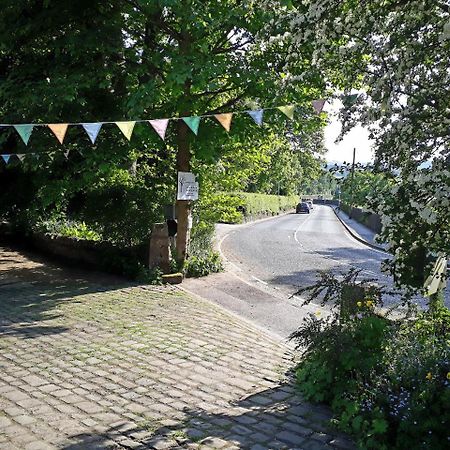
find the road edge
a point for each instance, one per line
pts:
(355, 236)
(249, 324)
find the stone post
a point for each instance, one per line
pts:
(159, 255)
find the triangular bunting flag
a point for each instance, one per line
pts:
(6, 158)
(66, 154)
(92, 130)
(288, 110)
(24, 132)
(192, 122)
(350, 100)
(225, 120)
(21, 157)
(160, 126)
(318, 105)
(257, 116)
(59, 130)
(126, 128)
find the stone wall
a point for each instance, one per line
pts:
(367, 218)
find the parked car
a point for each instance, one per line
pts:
(302, 207)
(310, 203)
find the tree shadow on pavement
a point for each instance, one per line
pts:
(31, 289)
(275, 418)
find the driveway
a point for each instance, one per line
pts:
(91, 362)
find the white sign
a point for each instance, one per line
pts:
(187, 186)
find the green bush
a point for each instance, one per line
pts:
(388, 382)
(200, 266)
(202, 259)
(68, 228)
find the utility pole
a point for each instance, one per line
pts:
(351, 182)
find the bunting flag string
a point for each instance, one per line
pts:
(160, 126)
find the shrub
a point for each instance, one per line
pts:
(68, 228)
(388, 382)
(202, 260)
(200, 266)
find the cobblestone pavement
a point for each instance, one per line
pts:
(99, 365)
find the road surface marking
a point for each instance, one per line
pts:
(298, 229)
(261, 281)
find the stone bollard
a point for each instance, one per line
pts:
(159, 255)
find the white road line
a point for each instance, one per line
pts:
(261, 281)
(298, 229)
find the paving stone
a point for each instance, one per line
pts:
(24, 419)
(34, 380)
(291, 438)
(89, 407)
(4, 422)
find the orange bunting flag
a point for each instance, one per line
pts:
(225, 120)
(59, 130)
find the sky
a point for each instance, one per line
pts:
(343, 151)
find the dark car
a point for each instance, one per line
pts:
(302, 207)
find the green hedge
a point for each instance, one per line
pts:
(235, 207)
(260, 204)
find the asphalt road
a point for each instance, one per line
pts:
(287, 252)
(267, 261)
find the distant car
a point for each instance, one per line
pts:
(310, 203)
(302, 207)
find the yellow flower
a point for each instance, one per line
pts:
(369, 303)
(429, 376)
(318, 313)
(359, 304)
(448, 375)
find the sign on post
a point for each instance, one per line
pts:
(187, 186)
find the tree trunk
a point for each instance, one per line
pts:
(183, 207)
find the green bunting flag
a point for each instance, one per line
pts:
(126, 128)
(24, 131)
(192, 122)
(349, 100)
(287, 110)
